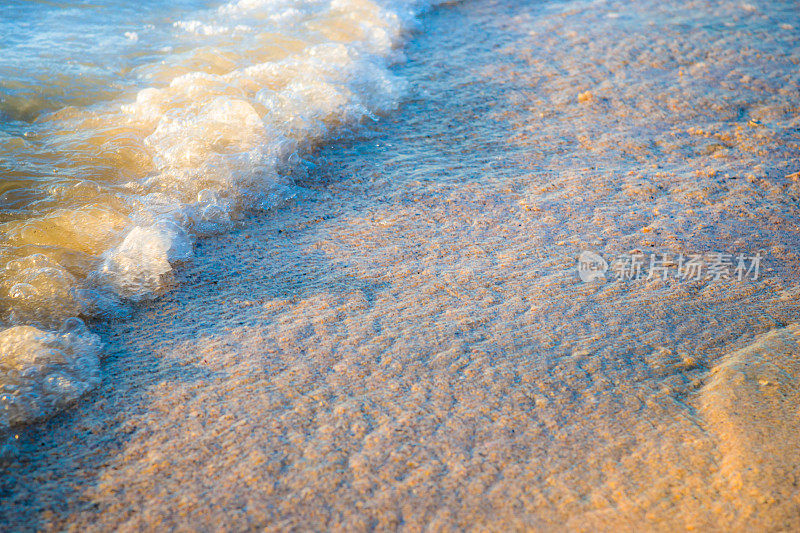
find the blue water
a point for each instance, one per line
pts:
(54, 54)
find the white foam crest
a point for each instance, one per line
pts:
(200, 28)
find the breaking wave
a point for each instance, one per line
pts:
(99, 201)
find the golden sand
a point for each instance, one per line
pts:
(407, 344)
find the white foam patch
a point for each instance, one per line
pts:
(41, 372)
(136, 267)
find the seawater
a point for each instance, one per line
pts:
(407, 345)
(129, 129)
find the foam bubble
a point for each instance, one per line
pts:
(41, 371)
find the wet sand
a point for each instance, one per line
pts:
(407, 344)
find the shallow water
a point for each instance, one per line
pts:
(130, 130)
(406, 342)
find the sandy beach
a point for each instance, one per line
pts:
(405, 341)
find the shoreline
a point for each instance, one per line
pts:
(408, 344)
